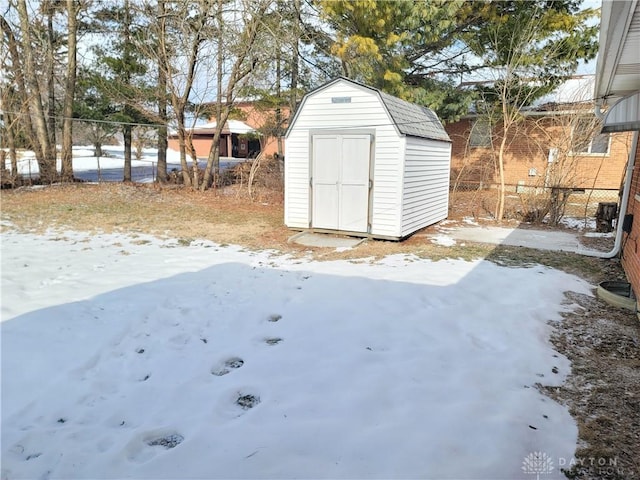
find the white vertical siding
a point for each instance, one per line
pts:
(425, 196)
(365, 111)
(296, 180)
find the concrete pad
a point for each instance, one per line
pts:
(518, 237)
(311, 239)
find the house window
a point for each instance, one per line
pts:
(480, 133)
(587, 138)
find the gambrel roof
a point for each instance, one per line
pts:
(408, 118)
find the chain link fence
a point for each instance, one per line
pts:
(467, 199)
(525, 203)
(103, 169)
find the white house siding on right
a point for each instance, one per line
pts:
(364, 112)
(425, 194)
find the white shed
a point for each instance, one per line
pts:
(365, 163)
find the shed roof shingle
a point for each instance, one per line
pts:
(412, 119)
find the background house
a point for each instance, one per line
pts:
(618, 88)
(237, 140)
(265, 120)
(559, 144)
(364, 162)
(246, 138)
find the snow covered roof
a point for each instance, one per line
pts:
(231, 126)
(577, 89)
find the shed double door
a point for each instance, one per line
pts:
(340, 181)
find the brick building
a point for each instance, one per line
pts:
(244, 138)
(558, 144)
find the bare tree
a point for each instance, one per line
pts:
(44, 148)
(95, 133)
(563, 140)
(49, 9)
(142, 137)
(73, 7)
(242, 58)
(161, 170)
(529, 52)
(179, 42)
(13, 98)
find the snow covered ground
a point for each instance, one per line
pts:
(109, 168)
(132, 357)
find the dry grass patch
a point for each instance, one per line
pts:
(221, 216)
(168, 212)
(603, 390)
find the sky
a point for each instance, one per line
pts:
(128, 356)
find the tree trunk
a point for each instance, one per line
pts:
(8, 143)
(46, 153)
(501, 187)
(214, 153)
(213, 159)
(51, 93)
(295, 53)
(182, 145)
(161, 172)
(21, 103)
(279, 98)
(127, 153)
(126, 131)
(69, 89)
(11, 145)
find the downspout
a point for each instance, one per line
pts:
(625, 196)
(597, 109)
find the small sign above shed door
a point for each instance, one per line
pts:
(340, 182)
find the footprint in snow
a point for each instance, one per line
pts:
(138, 450)
(167, 441)
(228, 365)
(247, 401)
(272, 340)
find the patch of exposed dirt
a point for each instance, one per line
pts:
(603, 390)
(603, 244)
